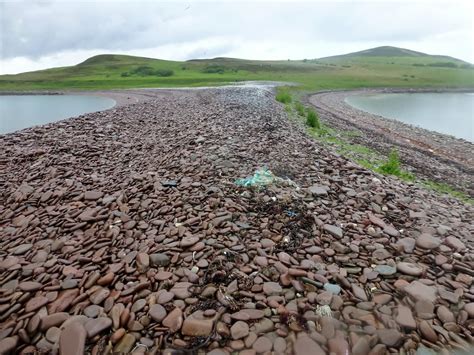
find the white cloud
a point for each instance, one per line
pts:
(36, 35)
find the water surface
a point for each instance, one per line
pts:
(448, 113)
(23, 111)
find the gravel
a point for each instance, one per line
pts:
(124, 231)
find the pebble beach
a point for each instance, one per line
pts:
(124, 231)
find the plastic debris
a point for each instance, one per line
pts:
(324, 311)
(264, 177)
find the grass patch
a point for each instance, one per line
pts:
(447, 190)
(312, 119)
(283, 95)
(392, 165)
(300, 109)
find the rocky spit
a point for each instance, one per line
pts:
(124, 231)
(432, 155)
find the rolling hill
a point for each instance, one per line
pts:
(395, 54)
(376, 67)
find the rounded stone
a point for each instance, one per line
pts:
(157, 312)
(262, 345)
(427, 241)
(409, 269)
(239, 330)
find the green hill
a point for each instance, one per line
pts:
(395, 55)
(381, 66)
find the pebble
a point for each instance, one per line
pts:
(174, 320)
(29, 286)
(469, 308)
(188, 241)
(385, 270)
(97, 325)
(125, 344)
(333, 288)
(272, 288)
(73, 339)
(53, 320)
(157, 312)
(196, 324)
(427, 331)
(262, 345)
(390, 337)
(405, 318)
(93, 195)
(427, 241)
(159, 260)
(35, 303)
(163, 275)
(22, 249)
(409, 269)
(419, 291)
(53, 334)
(304, 345)
(455, 243)
(239, 330)
(333, 230)
(8, 344)
(92, 311)
(445, 315)
(165, 297)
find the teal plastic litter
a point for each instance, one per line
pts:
(262, 177)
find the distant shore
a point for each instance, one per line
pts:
(436, 156)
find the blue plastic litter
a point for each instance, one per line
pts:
(262, 177)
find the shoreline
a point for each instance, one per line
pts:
(429, 154)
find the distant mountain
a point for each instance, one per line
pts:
(392, 52)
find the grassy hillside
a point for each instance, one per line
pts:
(377, 67)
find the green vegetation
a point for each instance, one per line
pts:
(312, 119)
(341, 142)
(145, 70)
(283, 95)
(447, 190)
(378, 67)
(213, 69)
(300, 109)
(393, 167)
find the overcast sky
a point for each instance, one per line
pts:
(42, 34)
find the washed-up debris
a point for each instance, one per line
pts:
(264, 177)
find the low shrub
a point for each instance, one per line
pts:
(145, 70)
(312, 119)
(164, 72)
(213, 69)
(443, 65)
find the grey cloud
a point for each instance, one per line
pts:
(37, 29)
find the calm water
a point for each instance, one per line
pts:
(22, 111)
(449, 113)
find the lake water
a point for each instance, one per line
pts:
(22, 111)
(449, 113)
